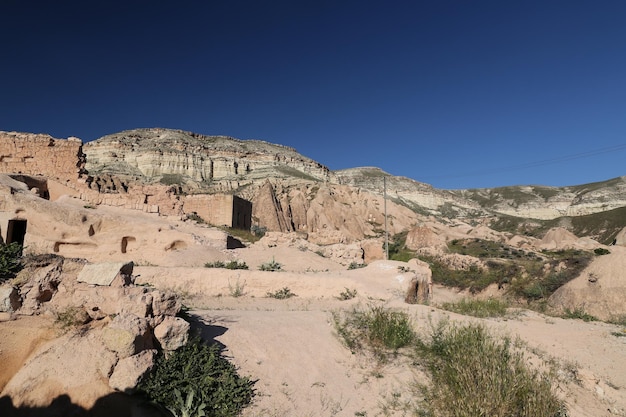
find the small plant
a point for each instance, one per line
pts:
(601, 251)
(71, 317)
(237, 290)
(270, 266)
(258, 231)
(378, 329)
(229, 265)
(10, 260)
(478, 308)
(348, 294)
(281, 294)
(356, 265)
(216, 264)
(236, 265)
(196, 218)
(578, 313)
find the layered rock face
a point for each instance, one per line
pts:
(154, 153)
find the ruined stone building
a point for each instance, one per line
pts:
(51, 168)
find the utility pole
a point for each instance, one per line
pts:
(386, 231)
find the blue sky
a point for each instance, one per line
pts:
(457, 94)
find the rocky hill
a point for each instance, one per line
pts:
(291, 192)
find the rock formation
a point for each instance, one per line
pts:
(110, 324)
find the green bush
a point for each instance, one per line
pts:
(271, 266)
(196, 378)
(578, 313)
(355, 265)
(601, 251)
(10, 260)
(348, 294)
(281, 294)
(377, 328)
(474, 374)
(478, 308)
(229, 265)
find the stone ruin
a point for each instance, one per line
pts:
(53, 167)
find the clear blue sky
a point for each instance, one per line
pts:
(458, 94)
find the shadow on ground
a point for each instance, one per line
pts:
(117, 404)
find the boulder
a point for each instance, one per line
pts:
(129, 371)
(172, 333)
(107, 274)
(127, 335)
(165, 304)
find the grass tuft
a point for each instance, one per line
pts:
(377, 329)
(478, 308)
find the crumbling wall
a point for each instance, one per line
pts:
(37, 154)
(62, 163)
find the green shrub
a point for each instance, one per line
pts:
(378, 329)
(355, 265)
(270, 266)
(601, 251)
(196, 377)
(474, 374)
(229, 265)
(348, 294)
(281, 294)
(478, 308)
(237, 289)
(578, 313)
(216, 264)
(258, 231)
(10, 260)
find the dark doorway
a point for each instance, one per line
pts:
(16, 231)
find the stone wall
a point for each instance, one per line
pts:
(35, 154)
(220, 209)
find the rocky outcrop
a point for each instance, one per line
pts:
(110, 324)
(599, 290)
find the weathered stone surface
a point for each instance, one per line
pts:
(127, 335)
(420, 289)
(172, 333)
(9, 299)
(165, 304)
(107, 273)
(129, 371)
(38, 154)
(423, 237)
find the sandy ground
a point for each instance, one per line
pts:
(291, 347)
(301, 368)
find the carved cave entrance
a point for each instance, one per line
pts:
(16, 231)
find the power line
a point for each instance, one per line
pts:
(534, 164)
